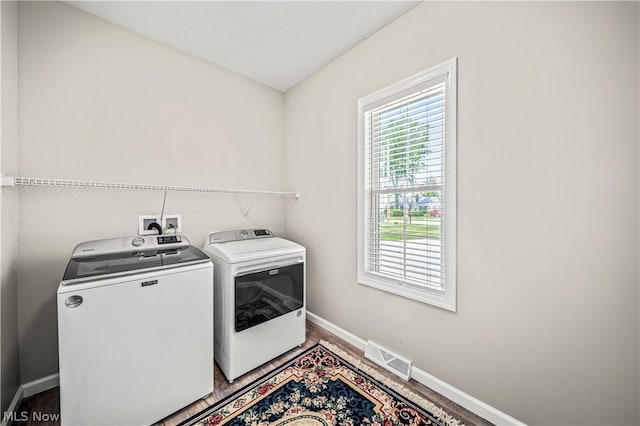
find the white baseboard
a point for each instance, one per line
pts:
(28, 389)
(472, 404)
(340, 332)
(13, 407)
(40, 385)
(461, 398)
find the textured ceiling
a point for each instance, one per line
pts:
(276, 43)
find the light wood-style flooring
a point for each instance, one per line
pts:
(48, 402)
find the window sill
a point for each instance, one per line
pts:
(438, 298)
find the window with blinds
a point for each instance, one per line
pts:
(407, 187)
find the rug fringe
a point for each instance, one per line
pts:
(412, 396)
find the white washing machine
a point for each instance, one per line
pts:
(135, 330)
(259, 293)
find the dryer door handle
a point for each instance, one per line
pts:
(268, 267)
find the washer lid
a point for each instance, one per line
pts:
(244, 250)
(85, 268)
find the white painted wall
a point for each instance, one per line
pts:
(99, 102)
(9, 368)
(547, 326)
(547, 323)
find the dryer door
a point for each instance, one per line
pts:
(266, 294)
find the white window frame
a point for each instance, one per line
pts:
(446, 297)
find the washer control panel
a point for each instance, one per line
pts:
(120, 245)
(169, 239)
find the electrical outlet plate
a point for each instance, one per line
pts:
(143, 223)
(172, 222)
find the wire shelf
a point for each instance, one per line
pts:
(70, 183)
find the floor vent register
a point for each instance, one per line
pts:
(398, 365)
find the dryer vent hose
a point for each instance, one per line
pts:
(155, 226)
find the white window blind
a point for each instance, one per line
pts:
(405, 207)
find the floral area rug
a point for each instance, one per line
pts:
(321, 388)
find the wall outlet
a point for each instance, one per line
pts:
(143, 224)
(172, 222)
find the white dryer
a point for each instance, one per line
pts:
(259, 294)
(135, 330)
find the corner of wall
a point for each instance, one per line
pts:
(9, 348)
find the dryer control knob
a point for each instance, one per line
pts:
(137, 242)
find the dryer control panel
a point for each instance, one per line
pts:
(238, 235)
